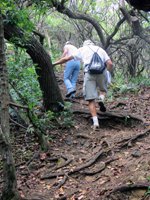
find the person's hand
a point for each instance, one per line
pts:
(62, 65)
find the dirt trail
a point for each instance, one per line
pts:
(85, 165)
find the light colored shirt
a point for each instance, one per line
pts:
(70, 50)
(85, 54)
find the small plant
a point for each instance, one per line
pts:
(148, 178)
(65, 119)
(148, 191)
(46, 120)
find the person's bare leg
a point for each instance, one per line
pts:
(92, 108)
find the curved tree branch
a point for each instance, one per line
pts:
(114, 32)
(60, 7)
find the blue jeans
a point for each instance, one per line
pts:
(71, 73)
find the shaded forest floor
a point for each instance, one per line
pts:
(110, 164)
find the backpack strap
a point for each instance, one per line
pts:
(94, 51)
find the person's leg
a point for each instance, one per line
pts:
(92, 109)
(102, 85)
(75, 73)
(67, 77)
(90, 94)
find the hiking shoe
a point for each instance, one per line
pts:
(72, 96)
(102, 106)
(95, 127)
(70, 93)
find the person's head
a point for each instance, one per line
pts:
(87, 42)
(68, 42)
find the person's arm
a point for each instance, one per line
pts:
(63, 60)
(109, 65)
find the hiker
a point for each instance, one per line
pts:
(92, 82)
(72, 68)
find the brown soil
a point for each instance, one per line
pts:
(109, 164)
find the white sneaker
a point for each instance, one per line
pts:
(101, 97)
(95, 127)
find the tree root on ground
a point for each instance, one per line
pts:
(131, 187)
(78, 169)
(111, 115)
(94, 159)
(128, 141)
(61, 183)
(81, 135)
(91, 173)
(67, 162)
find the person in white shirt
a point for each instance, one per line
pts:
(95, 85)
(72, 68)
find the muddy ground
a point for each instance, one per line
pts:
(81, 164)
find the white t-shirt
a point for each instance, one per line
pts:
(70, 49)
(85, 54)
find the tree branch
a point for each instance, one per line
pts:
(64, 10)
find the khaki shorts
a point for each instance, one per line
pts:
(94, 83)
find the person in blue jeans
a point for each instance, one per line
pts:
(71, 72)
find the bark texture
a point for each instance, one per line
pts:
(52, 98)
(10, 183)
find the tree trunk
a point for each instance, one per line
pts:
(133, 60)
(140, 5)
(52, 98)
(10, 183)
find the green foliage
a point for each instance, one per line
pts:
(66, 117)
(148, 178)
(148, 191)
(23, 78)
(46, 120)
(49, 120)
(121, 85)
(141, 80)
(19, 17)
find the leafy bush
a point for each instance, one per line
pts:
(65, 119)
(23, 78)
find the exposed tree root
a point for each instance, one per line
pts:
(111, 115)
(92, 161)
(68, 161)
(78, 169)
(100, 154)
(81, 135)
(18, 106)
(129, 141)
(18, 124)
(126, 188)
(62, 182)
(90, 173)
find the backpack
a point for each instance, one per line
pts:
(96, 65)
